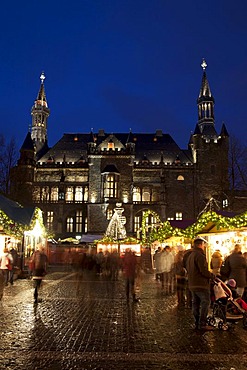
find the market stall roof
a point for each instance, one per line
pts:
(181, 224)
(208, 222)
(15, 211)
(90, 238)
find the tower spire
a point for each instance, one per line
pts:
(40, 113)
(205, 101)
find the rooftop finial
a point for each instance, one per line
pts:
(42, 77)
(204, 64)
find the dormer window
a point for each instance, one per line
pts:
(110, 145)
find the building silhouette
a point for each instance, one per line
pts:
(79, 180)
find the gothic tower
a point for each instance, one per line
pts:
(209, 150)
(40, 113)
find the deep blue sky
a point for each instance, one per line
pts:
(120, 64)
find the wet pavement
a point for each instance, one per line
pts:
(85, 322)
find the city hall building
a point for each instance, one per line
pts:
(78, 182)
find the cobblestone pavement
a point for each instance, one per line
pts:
(84, 322)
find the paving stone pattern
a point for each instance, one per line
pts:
(85, 322)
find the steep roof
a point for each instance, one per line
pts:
(75, 145)
(15, 211)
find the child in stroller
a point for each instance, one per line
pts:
(226, 309)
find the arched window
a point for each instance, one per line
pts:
(70, 224)
(69, 194)
(45, 194)
(36, 194)
(155, 196)
(180, 178)
(146, 195)
(78, 194)
(54, 194)
(86, 194)
(136, 194)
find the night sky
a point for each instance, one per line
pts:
(121, 64)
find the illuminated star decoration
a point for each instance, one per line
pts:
(42, 77)
(204, 64)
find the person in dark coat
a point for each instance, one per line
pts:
(129, 271)
(238, 266)
(198, 279)
(40, 261)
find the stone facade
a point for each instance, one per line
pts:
(78, 181)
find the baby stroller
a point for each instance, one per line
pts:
(225, 309)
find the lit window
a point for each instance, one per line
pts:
(45, 195)
(155, 196)
(49, 220)
(146, 195)
(180, 178)
(70, 223)
(69, 194)
(170, 218)
(110, 186)
(179, 216)
(86, 225)
(86, 194)
(136, 194)
(36, 194)
(78, 194)
(54, 194)
(110, 145)
(137, 224)
(78, 222)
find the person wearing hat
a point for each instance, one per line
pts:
(232, 285)
(199, 283)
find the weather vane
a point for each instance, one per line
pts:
(204, 64)
(42, 77)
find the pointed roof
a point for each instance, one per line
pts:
(15, 211)
(224, 132)
(205, 92)
(41, 98)
(28, 143)
(130, 138)
(197, 130)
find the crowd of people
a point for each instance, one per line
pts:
(175, 269)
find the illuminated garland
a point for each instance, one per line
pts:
(165, 229)
(17, 229)
(110, 240)
(144, 224)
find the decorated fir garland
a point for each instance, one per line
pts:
(165, 229)
(17, 229)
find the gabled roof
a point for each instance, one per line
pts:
(76, 145)
(15, 211)
(28, 143)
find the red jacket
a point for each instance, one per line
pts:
(129, 264)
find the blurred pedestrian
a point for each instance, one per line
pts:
(14, 255)
(199, 277)
(6, 265)
(160, 265)
(238, 266)
(129, 271)
(169, 269)
(216, 262)
(40, 262)
(180, 273)
(114, 263)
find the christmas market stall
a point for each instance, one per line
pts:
(22, 226)
(222, 230)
